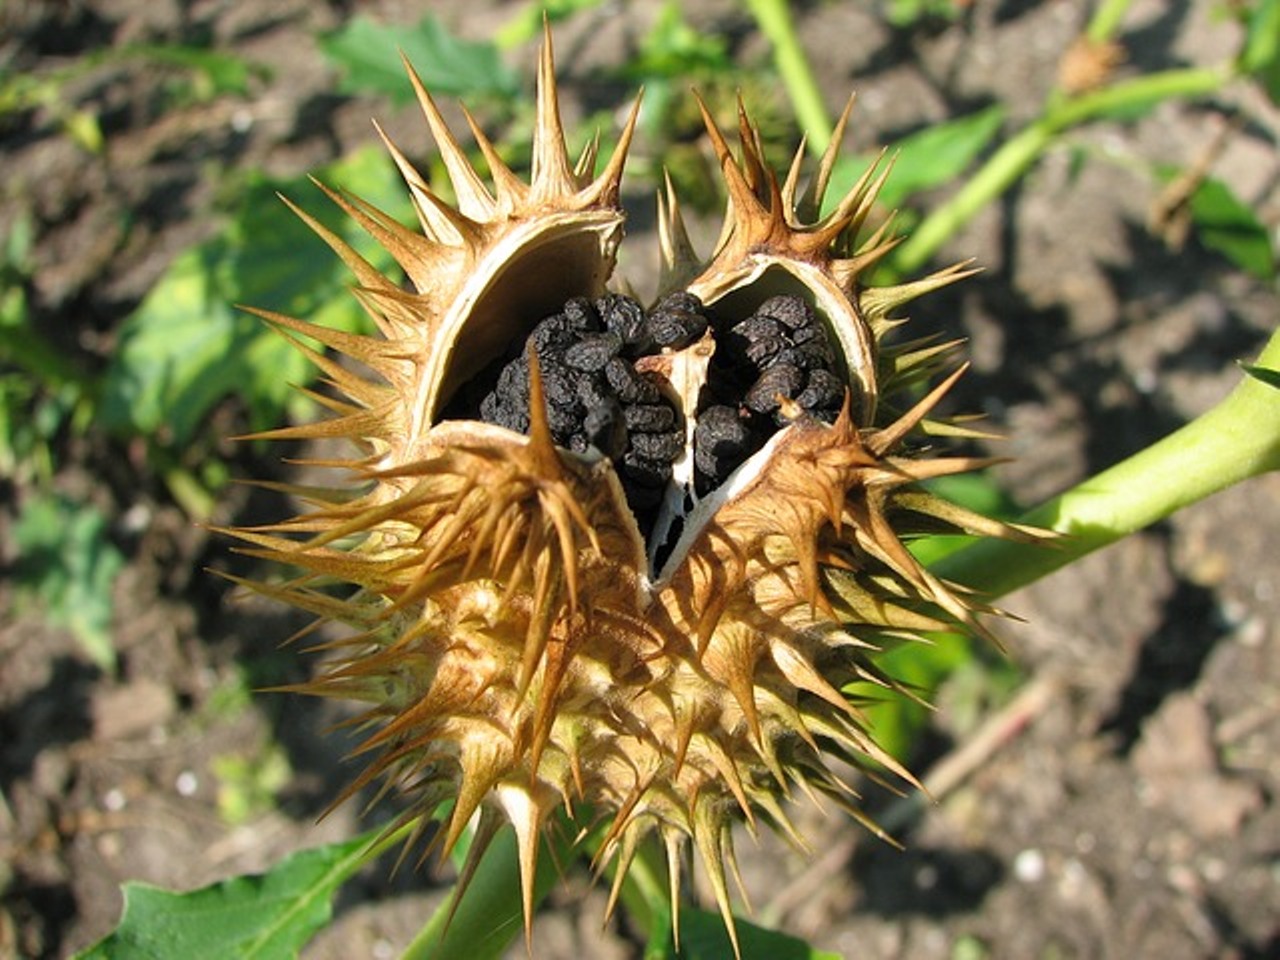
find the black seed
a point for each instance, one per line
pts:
(630, 386)
(592, 352)
(721, 441)
(781, 378)
(658, 446)
(680, 300)
(649, 417)
(676, 321)
(494, 409)
(514, 377)
(559, 385)
(813, 355)
(794, 311)
(564, 423)
(812, 332)
(757, 327)
(823, 390)
(593, 392)
(765, 351)
(550, 337)
(581, 315)
(623, 316)
(645, 479)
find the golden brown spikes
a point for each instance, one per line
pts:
(512, 192)
(474, 200)
(809, 208)
(440, 222)
(526, 815)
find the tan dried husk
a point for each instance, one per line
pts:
(515, 648)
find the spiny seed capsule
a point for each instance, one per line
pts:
(615, 560)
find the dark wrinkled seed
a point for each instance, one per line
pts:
(675, 330)
(630, 386)
(643, 469)
(782, 379)
(582, 315)
(649, 417)
(721, 441)
(623, 316)
(563, 421)
(811, 332)
(822, 390)
(680, 300)
(755, 327)
(811, 356)
(592, 392)
(793, 311)
(550, 336)
(559, 385)
(592, 352)
(764, 351)
(658, 446)
(676, 321)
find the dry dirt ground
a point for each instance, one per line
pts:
(1127, 804)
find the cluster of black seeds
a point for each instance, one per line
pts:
(595, 396)
(597, 399)
(781, 351)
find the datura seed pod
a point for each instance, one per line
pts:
(617, 561)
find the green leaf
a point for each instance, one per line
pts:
(921, 161)
(187, 346)
(252, 917)
(703, 937)
(368, 54)
(1262, 47)
(218, 72)
(675, 49)
(67, 566)
(922, 667)
(1227, 225)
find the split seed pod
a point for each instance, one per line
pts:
(530, 631)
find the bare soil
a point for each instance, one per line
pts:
(1124, 806)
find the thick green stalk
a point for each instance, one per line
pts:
(774, 19)
(1236, 440)
(1020, 153)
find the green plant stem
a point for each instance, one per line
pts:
(1020, 153)
(1236, 440)
(1105, 22)
(775, 22)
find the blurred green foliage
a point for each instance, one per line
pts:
(66, 568)
(197, 73)
(1227, 225)
(188, 346)
(369, 52)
